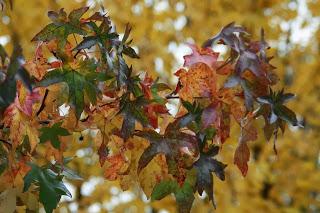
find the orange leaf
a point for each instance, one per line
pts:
(199, 81)
(117, 163)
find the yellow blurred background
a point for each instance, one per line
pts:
(287, 182)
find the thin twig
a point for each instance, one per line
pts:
(43, 105)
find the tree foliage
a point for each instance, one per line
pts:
(121, 108)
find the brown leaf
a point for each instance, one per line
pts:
(241, 157)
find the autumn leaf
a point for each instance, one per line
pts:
(241, 157)
(78, 85)
(170, 145)
(39, 65)
(199, 81)
(20, 125)
(117, 164)
(62, 26)
(201, 55)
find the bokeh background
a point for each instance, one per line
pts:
(287, 182)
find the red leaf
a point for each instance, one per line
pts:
(204, 55)
(241, 157)
(25, 99)
(152, 110)
(146, 86)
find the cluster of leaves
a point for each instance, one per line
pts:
(104, 93)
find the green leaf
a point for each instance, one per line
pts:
(3, 54)
(210, 132)
(87, 43)
(51, 186)
(286, 114)
(52, 134)
(60, 28)
(70, 174)
(275, 101)
(15, 72)
(132, 112)
(184, 195)
(184, 198)
(78, 84)
(163, 189)
(129, 51)
(7, 92)
(76, 14)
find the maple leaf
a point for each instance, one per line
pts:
(39, 65)
(25, 100)
(132, 112)
(20, 125)
(205, 166)
(201, 55)
(227, 35)
(52, 134)
(276, 114)
(242, 153)
(62, 168)
(278, 111)
(170, 145)
(62, 26)
(249, 61)
(252, 87)
(78, 84)
(51, 186)
(199, 81)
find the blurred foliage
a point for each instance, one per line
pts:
(288, 182)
